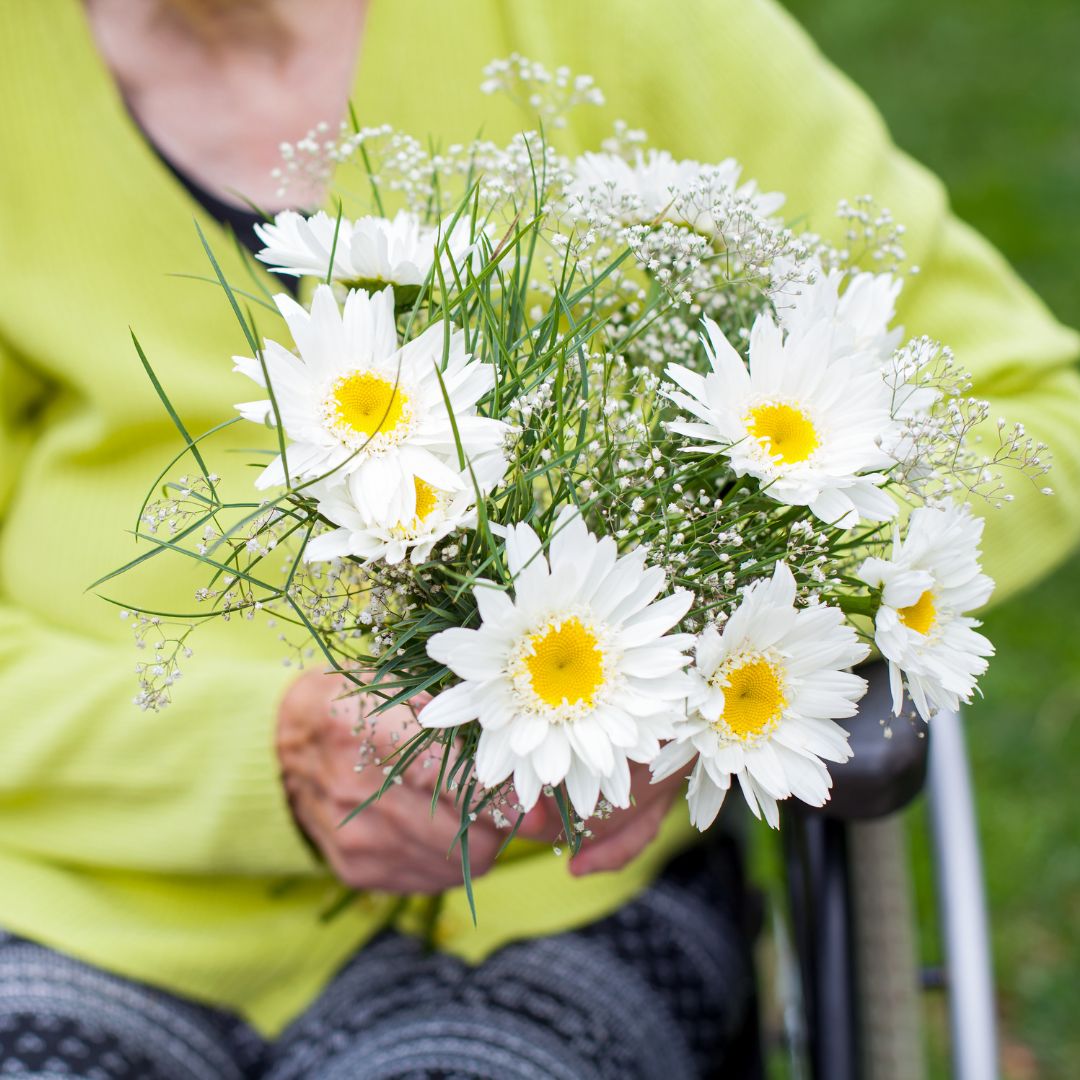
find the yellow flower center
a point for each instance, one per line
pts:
(425, 498)
(920, 615)
(566, 664)
(753, 699)
(785, 432)
(368, 404)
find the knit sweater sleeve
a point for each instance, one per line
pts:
(88, 780)
(717, 78)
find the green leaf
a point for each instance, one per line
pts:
(174, 416)
(333, 245)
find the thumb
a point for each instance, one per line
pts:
(542, 822)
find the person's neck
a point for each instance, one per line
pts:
(219, 99)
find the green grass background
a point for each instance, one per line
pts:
(988, 95)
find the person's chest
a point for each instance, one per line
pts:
(103, 234)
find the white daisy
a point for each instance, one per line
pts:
(655, 184)
(921, 628)
(371, 252)
(354, 401)
(859, 319)
(637, 191)
(413, 529)
(572, 677)
(807, 424)
(768, 688)
(860, 316)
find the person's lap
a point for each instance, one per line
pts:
(59, 1017)
(655, 990)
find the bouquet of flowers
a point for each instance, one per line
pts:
(602, 455)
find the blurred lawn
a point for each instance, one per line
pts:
(988, 95)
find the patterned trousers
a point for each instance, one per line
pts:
(656, 991)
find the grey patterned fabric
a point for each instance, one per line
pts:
(59, 1017)
(654, 992)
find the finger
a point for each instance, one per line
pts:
(485, 843)
(380, 874)
(417, 702)
(441, 838)
(361, 764)
(425, 769)
(542, 822)
(311, 807)
(390, 735)
(442, 867)
(345, 702)
(374, 854)
(618, 820)
(411, 812)
(614, 851)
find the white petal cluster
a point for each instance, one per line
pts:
(860, 316)
(368, 533)
(654, 185)
(573, 676)
(921, 628)
(808, 423)
(767, 690)
(371, 252)
(859, 309)
(370, 416)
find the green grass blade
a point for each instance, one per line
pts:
(174, 416)
(333, 245)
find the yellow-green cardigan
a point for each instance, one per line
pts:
(152, 844)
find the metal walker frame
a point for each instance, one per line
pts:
(851, 916)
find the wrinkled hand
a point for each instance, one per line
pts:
(621, 837)
(394, 844)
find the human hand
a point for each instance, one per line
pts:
(395, 844)
(618, 839)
